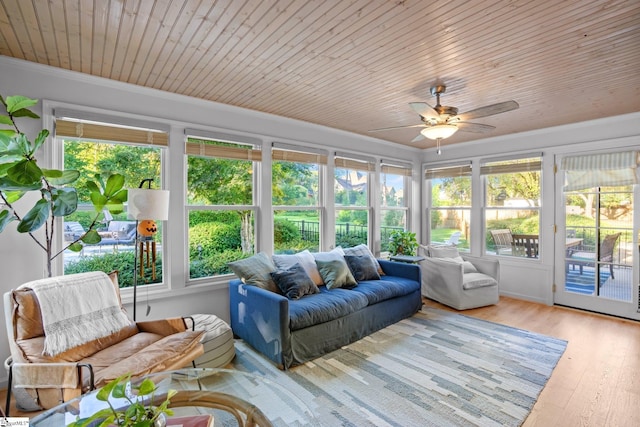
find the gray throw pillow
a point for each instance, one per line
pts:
(362, 267)
(256, 270)
(335, 274)
(363, 250)
(294, 282)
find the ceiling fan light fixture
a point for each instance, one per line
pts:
(442, 131)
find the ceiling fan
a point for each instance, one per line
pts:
(442, 121)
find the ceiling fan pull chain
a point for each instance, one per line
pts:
(438, 150)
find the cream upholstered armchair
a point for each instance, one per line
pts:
(62, 349)
(458, 280)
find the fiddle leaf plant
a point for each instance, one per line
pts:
(134, 412)
(20, 175)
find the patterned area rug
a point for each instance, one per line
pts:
(436, 368)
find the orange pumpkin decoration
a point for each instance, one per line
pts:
(147, 228)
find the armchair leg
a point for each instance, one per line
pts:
(9, 387)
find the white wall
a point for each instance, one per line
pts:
(22, 261)
(525, 278)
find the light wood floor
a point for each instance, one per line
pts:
(597, 380)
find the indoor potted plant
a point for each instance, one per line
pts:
(403, 242)
(135, 412)
(20, 174)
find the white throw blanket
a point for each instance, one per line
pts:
(76, 309)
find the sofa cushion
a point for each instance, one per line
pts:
(386, 288)
(335, 274)
(256, 270)
(294, 282)
(363, 250)
(305, 259)
(362, 267)
(477, 280)
(323, 307)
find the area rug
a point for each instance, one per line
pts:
(436, 368)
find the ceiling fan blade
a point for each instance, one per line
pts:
(421, 125)
(425, 110)
(474, 127)
(489, 110)
(419, 137)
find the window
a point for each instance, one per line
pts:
(296, 199)
(512, 206)
(393, 203)
(95, 146)
(449, 212)
(351, 182)
(220, 203)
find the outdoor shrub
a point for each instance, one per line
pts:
(285, 231)
(215, 265)
(210, 238)
(120, 261)
(350, 240)
(225, 217)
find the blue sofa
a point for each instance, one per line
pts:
(291, 332)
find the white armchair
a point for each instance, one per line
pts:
(459, 281)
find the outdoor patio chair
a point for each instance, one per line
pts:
(453, 239)
(583, 258)
(502, 239)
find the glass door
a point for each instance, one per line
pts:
(597, 250)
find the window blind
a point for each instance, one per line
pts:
(601, 170)
(103, 127)
(291, 153)
(448, 171)
(519, 165)
(345, 163)
(395, 168)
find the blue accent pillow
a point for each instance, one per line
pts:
(362, 267)
(294, 282)
(335, 274)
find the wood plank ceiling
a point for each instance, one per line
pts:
(352, 65)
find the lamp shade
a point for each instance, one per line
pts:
(145, 203)
(439, 131)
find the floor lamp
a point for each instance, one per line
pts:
(145, 204)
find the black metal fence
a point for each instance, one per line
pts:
(347, 234)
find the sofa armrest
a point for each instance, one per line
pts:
(261, 318)
(490, 267)
(401, 269)
(163, 327)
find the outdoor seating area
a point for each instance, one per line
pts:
(583, 258)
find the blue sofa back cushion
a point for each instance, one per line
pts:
(362, 267)
(383, 289)
(328, 305)
(294, 282)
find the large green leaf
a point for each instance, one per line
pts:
(115, 183)
(18, 102)
(35, 218)
(92, 187)
(6, 216)
(98, 200)
(22, 144)
(23, 112)
(64, 201)
(25, 172)
(13, 196)
(40, 139)
(91, 238)
(75, 247)
(121, 196)
(7, 184)
(5, 120)
(61, 177)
